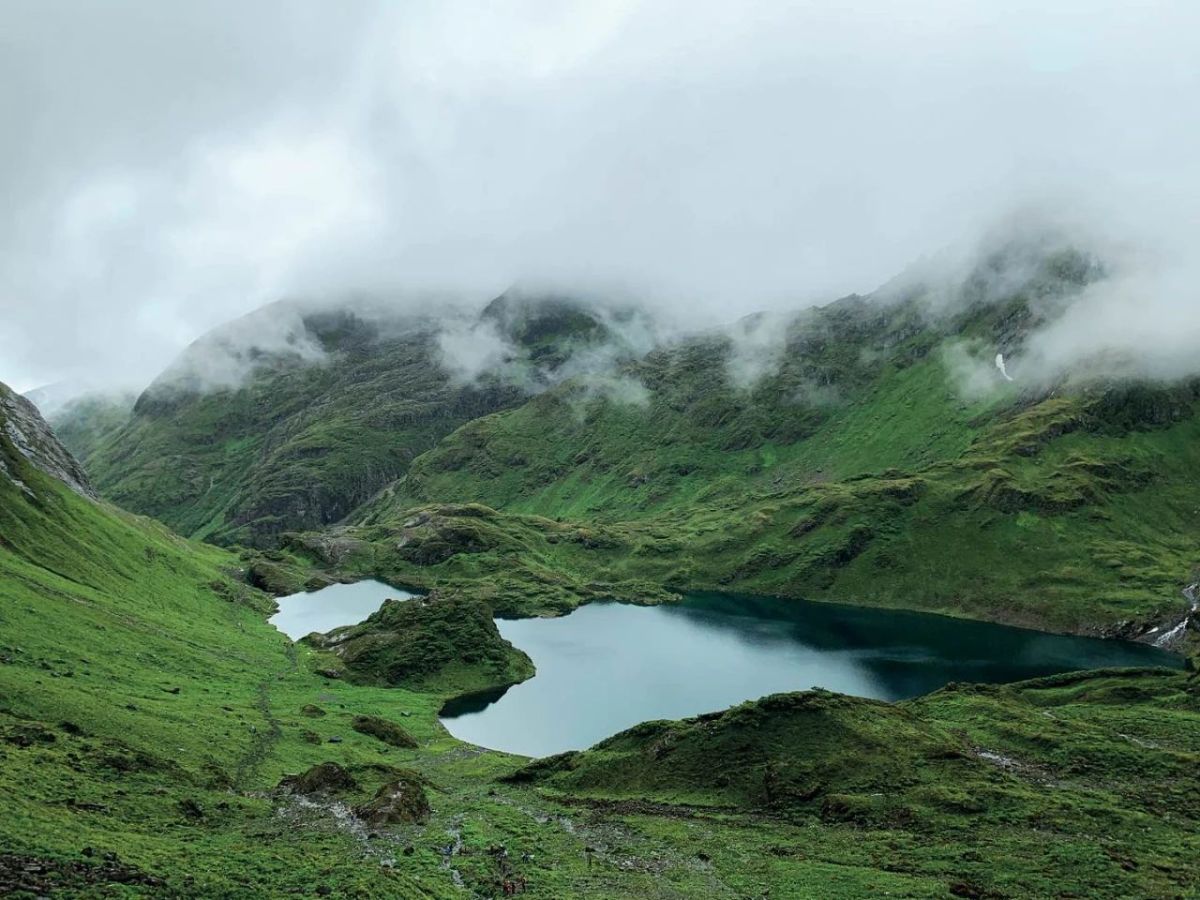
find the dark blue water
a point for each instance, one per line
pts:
(608, 666)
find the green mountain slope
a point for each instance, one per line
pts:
(86, 422)
(861, 470)
(290, 418)
(236, 444)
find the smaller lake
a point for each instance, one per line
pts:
(608, 666)
(331, 607)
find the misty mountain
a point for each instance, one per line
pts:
(834, 452)
(291, 417)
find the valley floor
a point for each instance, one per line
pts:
(148, 714)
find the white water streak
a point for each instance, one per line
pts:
(1000, 365)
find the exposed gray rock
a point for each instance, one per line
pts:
(27, 431)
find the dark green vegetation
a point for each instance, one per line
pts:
(388, 732)
(1051, 788)
(518, 564)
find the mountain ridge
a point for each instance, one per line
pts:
(845, 452)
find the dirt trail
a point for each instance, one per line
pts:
(264, 739)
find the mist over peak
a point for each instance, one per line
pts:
(178, 169)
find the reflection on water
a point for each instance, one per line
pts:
(338, 604)
(608, 666)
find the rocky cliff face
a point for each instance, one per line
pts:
(23, 427)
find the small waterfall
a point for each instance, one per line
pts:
(1192, 593)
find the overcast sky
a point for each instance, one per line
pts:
(166, 166)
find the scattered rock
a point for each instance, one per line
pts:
(330, 673)
(40, 877)
(312, 711)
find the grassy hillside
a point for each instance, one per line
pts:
(955, 781)
(158, 738)
(866, 451)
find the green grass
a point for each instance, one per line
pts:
(1041, 519)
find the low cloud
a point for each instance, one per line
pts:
(226, 357)
(470, 347)
(757, 347)
(1134, 324)
(179, 166)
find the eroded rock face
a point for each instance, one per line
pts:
(29, 435)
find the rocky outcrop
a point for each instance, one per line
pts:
(388, 732)
(325, 778)
(22, 427)
(399, 802)
(444, 640)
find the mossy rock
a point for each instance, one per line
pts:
(324, 778)
(443, 640)
(399, 802)
(388, 732)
